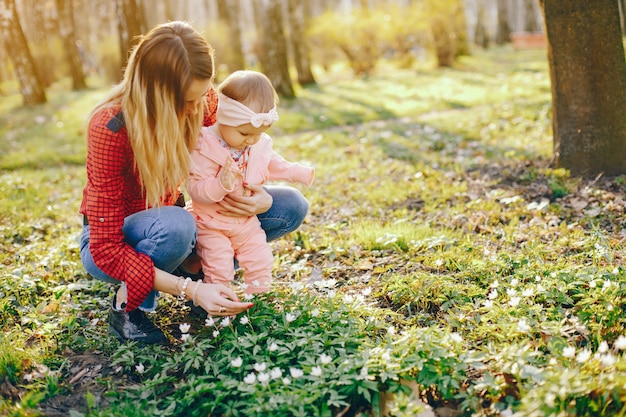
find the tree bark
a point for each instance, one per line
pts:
(17, 49)
(586, 60)
(68, 35)
(230, 13)
(272, 48)
(131, 23)
(481, 36)
(298, 22)
(503, 32)
(530, 17)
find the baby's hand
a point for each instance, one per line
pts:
(228, 177)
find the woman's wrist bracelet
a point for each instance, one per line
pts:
(194, 292)
(182, 295)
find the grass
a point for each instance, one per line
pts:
(442, 249)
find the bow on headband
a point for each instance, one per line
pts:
(232, 113)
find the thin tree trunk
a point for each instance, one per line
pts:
(530, 17)
(131, 23)
(481, 37)
(16, 46)
(503, 33)
(586, 60)
(272, 48)
(298, 21)
(230, 13)
(68, 34)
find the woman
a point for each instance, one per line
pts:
(138, 154)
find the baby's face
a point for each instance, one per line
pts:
(241, 136)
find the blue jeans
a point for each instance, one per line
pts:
(168, 234)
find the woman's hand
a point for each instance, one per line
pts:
(256, 201)
(217, 299)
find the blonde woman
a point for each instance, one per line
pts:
(138, 154)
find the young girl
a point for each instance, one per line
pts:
(234, 152)
(138, 154)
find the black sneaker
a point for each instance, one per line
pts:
(135, 326)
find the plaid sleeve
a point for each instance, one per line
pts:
(210, 108)
(111, 181)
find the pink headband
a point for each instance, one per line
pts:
(232, 113)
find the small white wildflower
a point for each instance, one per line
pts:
(514, 301)
(607, 284)
(273, 347)
(295, 372)
(540, 288)
(244, 320)
(537, 278)
(315, 313)
(225, 322)
(237, 362)
(515, 282)
(250, 378)
(184, 327)
(316, 371)
(569, 351)
(506, 413)
(522, 326)
(583, 356)
(248, 297)
(553, 274)
(276, 373)
(243, 286)
(603, 347)
(391, 330)
(528, 292)
(366, 291)
(552, 361)
(607, 360)
(209, 321)
(511, 292)
(331, 293)
(592, 283)
(290, 317)
(260, 367)
(348, 299)
(286, 381)
(620, 343)
(325, 359)
(256, 283)
(495, 284)
(296, 286)
(615, 271)
(609, 307)
(263, 377)
(455, 337)
(488, 303)
(493, 294)
(140, 368)
(216, 333)
(439, 262)
(185, 336)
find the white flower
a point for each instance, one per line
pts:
(237, 362)
(263, 377)
(495, 284)
(569, 351)
(540, 288)
(620, 343)
(244, 320)
(348, 299)
(592, 283)
(276, 373)
(366, 291)
(290, 317)
(609, 307)
(315, 313)
(273, 347)
(514, 301)
(537, 278)
(208, 322)
(455, 337)
(607, 360)
(250, 378)
(488, 303)
(391, 330)
(522, 326)
(615, 271)
(511, 292)
(583, 356)
(216, 333)
(439, 262)
(295, 372)
(256, 283)
(286, 381)
(185, 336)
(260, 367)
(225, 321)
(604, 347)
(184, 327)
(325, 359)
(528, 292)
(331, 293)
(316, 371)
(515, 282)
(243, 286)
(248, 297)
(493, 294)
(140, 368)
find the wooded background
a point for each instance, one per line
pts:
(289, 40)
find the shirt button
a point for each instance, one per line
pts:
(101, 219)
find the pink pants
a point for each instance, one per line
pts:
(218, 245)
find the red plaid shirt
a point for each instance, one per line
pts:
(112, 193)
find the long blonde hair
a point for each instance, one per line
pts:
(160, 70)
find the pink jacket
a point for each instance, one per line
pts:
(204, 186)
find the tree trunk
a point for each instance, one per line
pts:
(272, 48)
(503, 32)
(230, 13)
(530, 17)
(586, 59)
(298, 21)
(131, 23)
(622, 14)
(16, 46)
(68, 35)
(481, 37)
